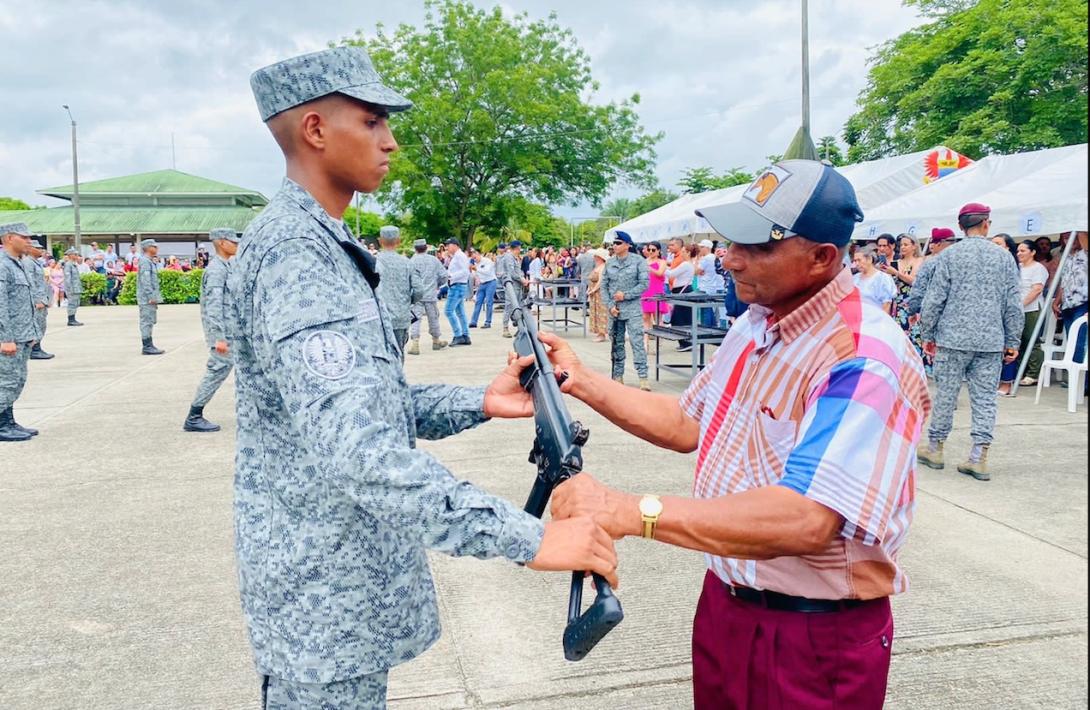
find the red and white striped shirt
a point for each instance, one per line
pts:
(828, 401)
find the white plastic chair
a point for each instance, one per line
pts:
(1075, 370)
(1052, 343)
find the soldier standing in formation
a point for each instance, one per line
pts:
(148, 294)
(509, 266)
(400, 287)
(214, 315)
(623, 282)
(334, 504)
(42, 297)
(18, 328)
(73, 287)
(432, 275)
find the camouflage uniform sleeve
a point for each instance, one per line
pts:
(143, 281)
(934, 301)
(416, 285)
(351, 414)
(643, 280)
(445, 410)
(1014, 318)
(213, 282)
(7, 332)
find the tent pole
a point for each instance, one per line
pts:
(1052, 287)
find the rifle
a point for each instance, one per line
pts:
(558, 454)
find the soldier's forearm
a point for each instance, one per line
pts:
(445, 410)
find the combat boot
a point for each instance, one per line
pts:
(72, 321)
(414, 347)
(195, 421)
(8, 430)
(977, 465)
(619, 379)
(507, 332)
(36, 353)
(645, 384)
(150, 349)
(437, 344)
(932, 456)
(17, 425)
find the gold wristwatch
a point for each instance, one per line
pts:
(650, 510)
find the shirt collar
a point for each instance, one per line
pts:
(298, 194)
(808, 314)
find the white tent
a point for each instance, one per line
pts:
(875, 182)
(1035, 193)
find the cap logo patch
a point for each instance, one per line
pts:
(764, 187)
(777, 233)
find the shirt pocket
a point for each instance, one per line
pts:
(773, 439)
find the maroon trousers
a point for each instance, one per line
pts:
(748, 657)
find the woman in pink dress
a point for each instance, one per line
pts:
(56, 281)
(656, 269)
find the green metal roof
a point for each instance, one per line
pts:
(122, 221)
(159, 182)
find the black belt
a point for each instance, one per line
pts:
(786, 602)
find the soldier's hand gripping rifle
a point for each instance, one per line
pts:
(558, 455)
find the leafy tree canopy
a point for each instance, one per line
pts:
(695, 180)
(501, 115)
(828, 149)
(984, 76)
(10, 203)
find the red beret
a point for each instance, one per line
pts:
(974, 208)
(941, 234)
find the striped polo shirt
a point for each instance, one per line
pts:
(828, 401)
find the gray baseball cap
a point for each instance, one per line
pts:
(341, 70)
(19, 228)
(70, 251)
(36, 244)
(145, 243)
(224, 233)
(389, 233)
(792, 198)
(420, 243)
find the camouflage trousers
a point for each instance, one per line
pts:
(216, 371)
(952, 367)
(364, 693)
(509, 305)
(13, 375)
(634, 327)
(73, 304)
(420, 310)
(402, 337)
(149, 316)
(41, 315)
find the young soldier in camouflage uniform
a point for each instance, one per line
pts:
(971, 323)
(42, 297)
(509, 266)
(73, 287)
(334, 504)
(623, 282)
(18, 329)
(148, 294)
(214, 314)
(431, 275)
(400, 288)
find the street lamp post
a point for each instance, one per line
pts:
(75, 183)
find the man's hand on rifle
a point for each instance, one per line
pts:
(505, 398)
(582, 496)
(576, 544)
(565, 362)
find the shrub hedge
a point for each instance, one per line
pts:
(176, 286)
(94, 285)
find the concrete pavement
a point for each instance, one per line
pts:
(118, 587)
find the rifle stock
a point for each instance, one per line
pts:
(558, 455)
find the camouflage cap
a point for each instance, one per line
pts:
(420, 243)
(341, 70)
(224, 233)
(145, 243)
(389, 233)
(36, 244)
(19, 228)
(70, 251)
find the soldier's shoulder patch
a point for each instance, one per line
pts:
(329, 354)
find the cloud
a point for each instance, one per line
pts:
(719, 77)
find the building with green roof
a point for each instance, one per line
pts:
(169, 206)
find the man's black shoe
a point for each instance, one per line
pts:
(9, 430)
(472, 325)
(486, 326)
(36, 353)
(195, 421)
(72, 321)
(150, 349)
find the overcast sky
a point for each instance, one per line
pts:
(719, 77)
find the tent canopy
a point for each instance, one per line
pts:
(875, 182)
(1031, 194)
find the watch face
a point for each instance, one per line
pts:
(650, 506)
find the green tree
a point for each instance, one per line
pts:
(829, 149)
(652, 201)
(622, 208)
(369, 222)
(735, 176)
(501, 114)
(10, 203)
(983, 77)
(697, 180)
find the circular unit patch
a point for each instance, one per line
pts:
(329, 354)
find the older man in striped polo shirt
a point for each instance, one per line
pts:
(805, 426)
